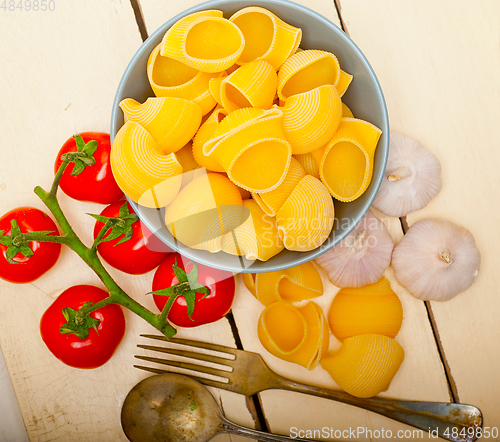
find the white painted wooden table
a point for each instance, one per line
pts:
(439, 67)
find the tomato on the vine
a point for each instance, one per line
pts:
(94, 183)
(105, 332)
(194, 305)
(22, 267)
(137, 255)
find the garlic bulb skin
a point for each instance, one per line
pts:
(436, 260)
(361, 257)
(412, 177)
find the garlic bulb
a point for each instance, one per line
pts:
(361, 257)
(436, 260)
(412, 177)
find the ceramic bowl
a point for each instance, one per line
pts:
(364, 97)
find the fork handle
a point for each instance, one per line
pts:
(440, 416)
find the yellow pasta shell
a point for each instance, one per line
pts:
(267, 37)
(297, 283)
(372, 309)
(249, 281)
(171, 78)
(215, 89)
(311, 118)
(205, 41)
(256, 238)
(246, 150)
(365, 365)
(204, 134)
(203, 211)
(344, 82)
(172, 122)
(252, 85)
(308, 162)
(272, 201)
(141, 170)
(190, 168)
(346, 162)
(346, 112)
(294, 334)
(306, 70)
(306, 218)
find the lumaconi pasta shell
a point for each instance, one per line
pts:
(205, 41)
(246, 150)
(311, 118)
(344, 82)
(256, 238)
(145, 175)
(215, 89)
(306, 70)
(171, 78)
(249, 281)
(365, 365)
(294, 334)
(297, 283)
(252, 85)
(346, 162)
(306, 218)
(172, 122)
(190, 168)
(204, 134)
(372, 309)
(267, 37)
(203, 211)
(346, 112)
(272, 201)
(308, 162)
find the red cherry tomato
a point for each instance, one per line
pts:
(45, 255)
(140, 254)
(209, 309)
(100, 345)
(96, 183)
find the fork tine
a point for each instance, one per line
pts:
(205, 345)
(187, 366)
(205, 381)
(189, 354)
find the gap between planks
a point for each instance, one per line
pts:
(252, 402)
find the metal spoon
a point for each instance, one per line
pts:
(174, 407)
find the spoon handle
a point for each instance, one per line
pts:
(439, 417)
(232, 428)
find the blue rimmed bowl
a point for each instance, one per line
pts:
(364, 97)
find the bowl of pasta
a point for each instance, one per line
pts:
(250, 137)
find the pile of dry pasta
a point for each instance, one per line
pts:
(243, 122)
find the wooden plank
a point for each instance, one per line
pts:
(438, 66)
(60, 71)
(284, 410)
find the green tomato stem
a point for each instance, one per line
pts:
(100, 236)
(89, 256)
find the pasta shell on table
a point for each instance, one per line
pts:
(346, 162)
(203, 211)
(249, 281)
(204, 134)
(294, 334)
(256, 237)
(267, 37)
(252, 85)
(144, 173)
(246, 143)
(309, 163)
(306, 70)
(271, 202)
(310, 119)
(172, 122)
(373, 308)
(171, 78)
(204, 40)
(297, 283)
(306, 218)
(365, 365)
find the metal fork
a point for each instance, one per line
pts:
(249, 375)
